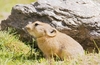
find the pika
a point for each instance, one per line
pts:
(54, 43)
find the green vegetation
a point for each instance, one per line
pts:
(12, 50)
(6, 5)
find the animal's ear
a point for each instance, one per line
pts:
(51, 32)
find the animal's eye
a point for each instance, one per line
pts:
(36, 24)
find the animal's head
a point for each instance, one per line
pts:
(40, 29)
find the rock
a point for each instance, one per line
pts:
(78, 18)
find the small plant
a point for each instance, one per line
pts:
(96, 45)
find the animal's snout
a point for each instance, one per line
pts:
(24, 29)
(27, 28)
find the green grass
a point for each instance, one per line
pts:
(15, 52)
(6, 5)
(12, 50)
(12, 43)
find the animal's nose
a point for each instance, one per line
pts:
(27, 28)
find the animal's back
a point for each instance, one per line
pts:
(68, 46)
(61, 45)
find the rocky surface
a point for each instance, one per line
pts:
(78, 18)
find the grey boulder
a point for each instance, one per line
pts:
(78, 18)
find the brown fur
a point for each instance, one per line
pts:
(53, 42)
